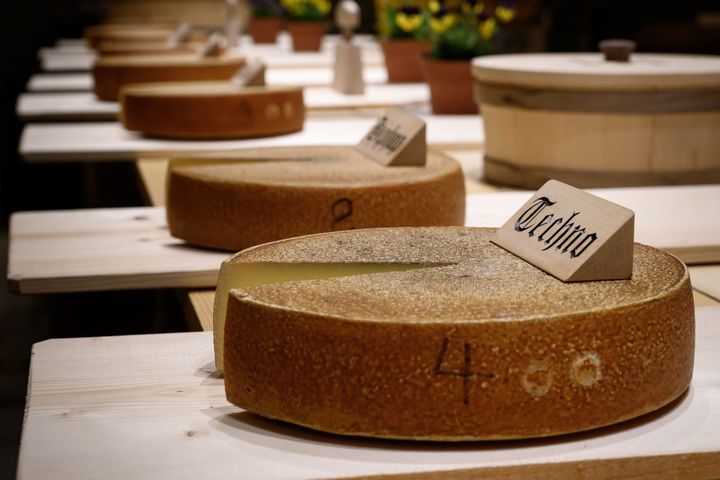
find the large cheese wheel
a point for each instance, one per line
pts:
(452, 337)
(146, 48)
(256, 196)
(211, 110)
(112, 73)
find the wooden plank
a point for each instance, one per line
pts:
(701, 300)
(152, 174)
(103, 249)
(73, 142)
(202, 303)
(84, 106)
(146, 406)
(60, 82)
(129, 248)
(665, 217)
(706, 279)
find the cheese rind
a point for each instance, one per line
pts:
(110, 74)
(270, 194)
(211, 110)
(488, 347)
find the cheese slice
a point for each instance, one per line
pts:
(211, 110)
(250, 197)
(111, 73)
(471, 343)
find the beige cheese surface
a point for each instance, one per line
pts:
(466, 342)
(258, 196)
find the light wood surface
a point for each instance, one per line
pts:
(60, 82)
(73, 142)
(706, 279)
(33, 107)
(147, 406)
(103, 249)
(80, 250)
(590, 71)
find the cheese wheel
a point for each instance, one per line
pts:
(211, 110)
(467, 342)
(257, 196)
(146, 48)
(110, 74)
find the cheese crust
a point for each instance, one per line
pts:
(483, 347)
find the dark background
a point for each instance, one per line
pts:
(26, 26)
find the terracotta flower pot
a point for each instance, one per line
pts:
(306, 36)
(402, 60)
(264, 29)
(451, 85)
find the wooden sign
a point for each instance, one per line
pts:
(571, 234)
(398, 138)
(348, 69)
(214, 47)
(252, 74)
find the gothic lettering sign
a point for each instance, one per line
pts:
(398, 138)
(571, 234)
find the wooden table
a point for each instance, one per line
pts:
(130, 248)
(73, 142)
(84, 106)
(150, 407)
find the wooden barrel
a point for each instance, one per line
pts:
(591, 122)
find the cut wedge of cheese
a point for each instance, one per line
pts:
(211, 110)
(111, 73)
(437, 334)
(255, 196)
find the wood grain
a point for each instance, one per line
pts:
(130, 248)
(103, 249)
(74, 142)
(144, 406)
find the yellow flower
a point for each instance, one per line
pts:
(322, 5)
(408, 23)
(474, 10)
(434, 6)
(487, 28)
(505, 14)
(440, 25)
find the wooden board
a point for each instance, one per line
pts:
(61, 107)
(706, 279)
(146, 407)
(60, 82)
(130, 248)
(103, 249)
(74, 142)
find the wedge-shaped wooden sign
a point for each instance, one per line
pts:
(398, 138)
(252, 74)
(571, 234)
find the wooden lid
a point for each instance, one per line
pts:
(590, 71)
